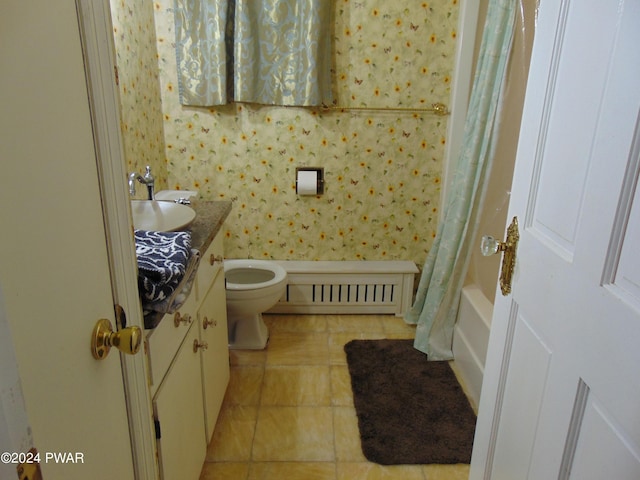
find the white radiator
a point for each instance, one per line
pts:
(357, 287)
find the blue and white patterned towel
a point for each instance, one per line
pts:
(162, 262)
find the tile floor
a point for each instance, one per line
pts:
(288, 413)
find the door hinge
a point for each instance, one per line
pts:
(156, 424)
(121, 317)
(30, 469)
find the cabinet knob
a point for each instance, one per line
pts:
(178, 319)
(215, 258)
(206, 323)
(197, 345)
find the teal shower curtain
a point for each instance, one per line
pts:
(273, 52)
(436, 305)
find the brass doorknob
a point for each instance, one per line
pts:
(490, 245)
(127, 340)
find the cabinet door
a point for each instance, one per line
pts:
(212, 321)
(179, 410)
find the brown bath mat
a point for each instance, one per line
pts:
(410, 411)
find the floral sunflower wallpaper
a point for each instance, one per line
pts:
(383, 165)
(140, 100)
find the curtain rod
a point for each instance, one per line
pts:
(439, 109)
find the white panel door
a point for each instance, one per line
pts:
(561, 393)
(54, 268)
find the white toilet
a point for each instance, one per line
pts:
(253, 286)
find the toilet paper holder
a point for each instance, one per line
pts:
(320, 176)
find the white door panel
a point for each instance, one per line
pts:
(602, 451)
(528, 354)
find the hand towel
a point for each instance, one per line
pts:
(162, 262)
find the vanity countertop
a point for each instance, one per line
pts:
(210, 215)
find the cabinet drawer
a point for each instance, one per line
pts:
(164, 340)
(210, 263)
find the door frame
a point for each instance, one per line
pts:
(96, 32)
(99, 55)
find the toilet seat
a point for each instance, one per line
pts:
(252, 274)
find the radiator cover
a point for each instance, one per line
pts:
(349, 287)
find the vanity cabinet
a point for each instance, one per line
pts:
(188, 359)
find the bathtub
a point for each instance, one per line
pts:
(471, 338)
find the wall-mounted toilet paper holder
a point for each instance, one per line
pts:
(319, 182)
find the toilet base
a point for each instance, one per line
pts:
(247, 332)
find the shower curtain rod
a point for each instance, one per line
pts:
(439, 109)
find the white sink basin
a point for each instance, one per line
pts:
(160, 216)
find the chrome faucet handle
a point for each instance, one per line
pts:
(150, 182)
(147, 175)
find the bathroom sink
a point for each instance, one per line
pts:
(159, 216)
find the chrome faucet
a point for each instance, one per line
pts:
(147, 180)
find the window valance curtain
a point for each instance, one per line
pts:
(273, 52)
